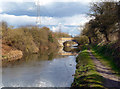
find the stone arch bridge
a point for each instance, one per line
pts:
(65, 39)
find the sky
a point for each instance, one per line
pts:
(68, 15)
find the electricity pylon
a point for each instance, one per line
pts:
(38, 18)
(59, 27)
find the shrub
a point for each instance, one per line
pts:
(29, 39)
(82, 40)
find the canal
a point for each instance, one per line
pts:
(41, 70)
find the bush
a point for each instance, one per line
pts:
(21, 39)
(82, 40)
(30, 39)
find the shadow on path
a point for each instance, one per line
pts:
(111, 80)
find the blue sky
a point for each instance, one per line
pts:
(70, 14)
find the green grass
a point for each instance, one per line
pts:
(105, 55)
(86, 75)
(107, 61)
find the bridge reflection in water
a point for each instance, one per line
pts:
(63, 52)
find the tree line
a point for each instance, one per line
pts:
(102, 32)
(105, 20)
(30, 39)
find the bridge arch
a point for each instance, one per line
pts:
(66, 39)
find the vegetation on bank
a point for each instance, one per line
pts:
(86, 75)
(102, 34)
(82, 39)
(30, 39)
(103, 30)
(104, 27)
(108, 56)
(105, 21)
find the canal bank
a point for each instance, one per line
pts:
(93, 72)
(86, 75)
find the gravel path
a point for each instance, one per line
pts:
(111, 80)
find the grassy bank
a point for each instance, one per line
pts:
(86, 75)
(108, 55)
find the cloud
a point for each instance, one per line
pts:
(69, 25)
(80, 19)
(56, 9)
(1, 10)
(72, 30)
(49, 1)
(17, 20)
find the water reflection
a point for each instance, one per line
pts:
(71, 49)
(46, 69)
(31, 58)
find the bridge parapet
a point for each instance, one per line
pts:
(64, 39)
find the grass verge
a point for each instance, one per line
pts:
(107, 61)
(86, 75)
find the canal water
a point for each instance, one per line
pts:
(40, 70)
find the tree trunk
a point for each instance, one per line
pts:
(106, 36)
(89, 40)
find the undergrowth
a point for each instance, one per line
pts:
(109, 55)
